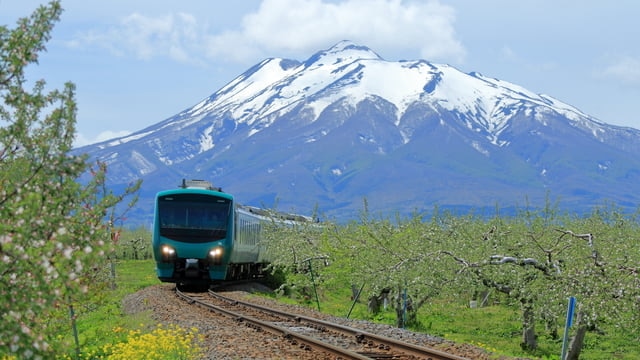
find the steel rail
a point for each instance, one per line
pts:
(274, 329)
(360, 336)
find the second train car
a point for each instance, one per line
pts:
(202, 236)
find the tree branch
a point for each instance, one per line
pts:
(589, 238)
(499, 260)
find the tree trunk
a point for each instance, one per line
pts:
(575, 346)
(529, 341)
(400, 310)
(355, 292)
(373, 305)
(399, 316)
(577, 341)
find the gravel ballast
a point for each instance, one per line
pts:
(225, 338)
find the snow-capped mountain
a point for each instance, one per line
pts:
(345, 125)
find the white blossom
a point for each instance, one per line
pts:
(5, 239)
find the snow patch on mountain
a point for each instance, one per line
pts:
(141, 163)
(251, 88)
(322, 103)
(344, 51)
(206, 139)
(166, 160)
(478, 147)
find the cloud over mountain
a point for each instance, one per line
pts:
(187, 38)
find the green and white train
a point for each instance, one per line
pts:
(201, 235)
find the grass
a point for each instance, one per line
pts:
(495, 328)
(103, 323)
(498, 328)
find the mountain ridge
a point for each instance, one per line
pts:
(346, 124)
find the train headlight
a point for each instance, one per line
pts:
(215, 255)
(168, 253)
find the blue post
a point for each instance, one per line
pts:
(568, 323)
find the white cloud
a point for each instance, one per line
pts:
(176, 36)
(81, 140)
(294, 26)
(291, 28)
(625, 70)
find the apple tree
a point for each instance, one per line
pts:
(398, 258)
(52, 227)
(540, 259)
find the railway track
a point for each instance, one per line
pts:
(334, 340)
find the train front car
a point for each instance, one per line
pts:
(192, 233)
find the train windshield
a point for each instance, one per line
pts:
(193, 218)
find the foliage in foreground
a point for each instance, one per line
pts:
(162, 343)
(102, 321)
(171, 342)
(53, 237)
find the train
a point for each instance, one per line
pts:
(202, 236)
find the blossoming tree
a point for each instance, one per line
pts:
(52, 227)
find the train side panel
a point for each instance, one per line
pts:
(247, 237)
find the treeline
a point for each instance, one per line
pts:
(133, 244)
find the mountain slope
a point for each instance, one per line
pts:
(345, 125)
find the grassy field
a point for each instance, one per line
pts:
(103, 322)
(495, 328)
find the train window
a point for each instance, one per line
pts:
(193, 217)
(248, 230)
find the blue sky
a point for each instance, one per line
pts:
(138, 62)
